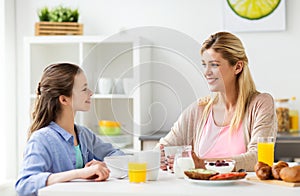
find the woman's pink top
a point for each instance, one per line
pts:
(218, 141)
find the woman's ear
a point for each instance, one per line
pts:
(64, 100)
(239, 67)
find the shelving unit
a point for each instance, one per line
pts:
(117, 57)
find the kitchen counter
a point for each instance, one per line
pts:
(287, 146)
(149, 141)
(167, 184)
(295, 136)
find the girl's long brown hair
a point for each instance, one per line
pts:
(57, 79)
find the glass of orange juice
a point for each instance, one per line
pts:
(265, 150)
(137, 172)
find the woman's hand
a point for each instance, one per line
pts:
(163, 164)
(96, 170)
(199, 163)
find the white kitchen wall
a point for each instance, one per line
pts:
(8, 143)
(3, 144)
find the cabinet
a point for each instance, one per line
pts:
(117, 57)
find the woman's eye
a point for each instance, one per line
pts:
(214, 65)
(85, 89)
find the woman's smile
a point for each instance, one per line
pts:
(211, 80)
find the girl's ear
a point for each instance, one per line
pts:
(64, 100)
(239, 67)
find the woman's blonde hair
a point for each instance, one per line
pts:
(231, 49)
(57, 79)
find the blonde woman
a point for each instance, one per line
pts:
(227, 123)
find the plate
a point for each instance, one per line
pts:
(211, 182)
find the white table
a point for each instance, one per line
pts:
(167, 184)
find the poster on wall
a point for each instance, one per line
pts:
(254, 15)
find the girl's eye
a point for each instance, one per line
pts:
(85, 89)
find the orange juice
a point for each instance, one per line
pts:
(265, 152)
(137, 172)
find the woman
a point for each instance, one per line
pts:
(228, 123)
(58, 150)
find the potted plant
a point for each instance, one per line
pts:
(58, 21)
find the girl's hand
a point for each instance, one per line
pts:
(96, 170)
(199, 163)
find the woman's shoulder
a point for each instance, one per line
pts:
(200, 103)
(262, 102)
(203, 101)
(262, 98)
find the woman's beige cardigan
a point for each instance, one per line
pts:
(260, 120)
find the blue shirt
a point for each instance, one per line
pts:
(51, 150)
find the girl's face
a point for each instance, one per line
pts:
(81, 95)
(217, 71)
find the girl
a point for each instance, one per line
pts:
(58, 150)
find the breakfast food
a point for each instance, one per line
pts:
(277, 168)
(280, 171)
(229, 176)
(290, 174)
(220, 166)
(200, 174)
(263, 171)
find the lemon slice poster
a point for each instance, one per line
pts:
(254, 15)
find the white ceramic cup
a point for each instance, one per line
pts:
(118, 165)
(128, 86)
(105, 85)
(152, 158)
(118, 86)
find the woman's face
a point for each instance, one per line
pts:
(217, 71)
(81, 95)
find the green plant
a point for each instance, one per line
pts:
(43, 14)
(58, 14)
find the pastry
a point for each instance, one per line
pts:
(276, 169)
(290, 174)
(263, 171)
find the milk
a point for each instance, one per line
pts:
(182, 164)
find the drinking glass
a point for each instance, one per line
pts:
(265, 150)
(137, 172)
(183, 161)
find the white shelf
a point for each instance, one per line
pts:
(111, 96)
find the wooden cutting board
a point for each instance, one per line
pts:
(276, 182)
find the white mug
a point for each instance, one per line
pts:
(152, 158)
(118, 86)
(105, 85)
(128, 86)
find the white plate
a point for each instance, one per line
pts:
(211, 182)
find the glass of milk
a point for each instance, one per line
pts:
(183, 161)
